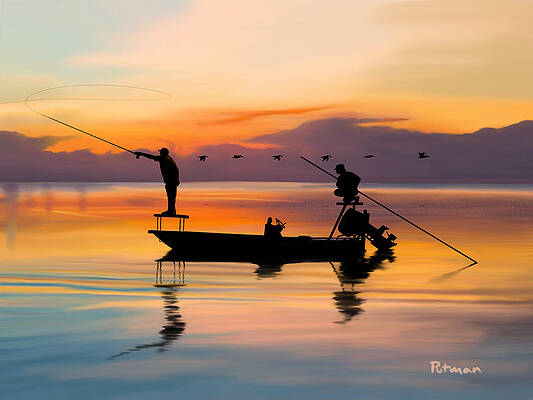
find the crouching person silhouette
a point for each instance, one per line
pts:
(170, 174)
(347, 184)
(273, 231)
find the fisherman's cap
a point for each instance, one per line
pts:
(339, 166)
(163, 150)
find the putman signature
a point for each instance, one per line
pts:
(438, 368)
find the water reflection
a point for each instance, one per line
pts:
(174, 326)
(353, 272)
(81, 188)
(268, 269)
(12, 202)
(349, 272)
(48, 196)
(178, 276)
(11, 197)
(449, 275)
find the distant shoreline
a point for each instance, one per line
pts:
(492, 187)
(517, 182)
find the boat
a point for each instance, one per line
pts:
(353, 226)
(203, 246)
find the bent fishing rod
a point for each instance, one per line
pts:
(78, 129)
(395, 213)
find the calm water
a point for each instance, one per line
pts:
(84, 315)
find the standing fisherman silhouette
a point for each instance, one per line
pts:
(347, 183)
(171, 177)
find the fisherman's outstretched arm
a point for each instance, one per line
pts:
(150, 156)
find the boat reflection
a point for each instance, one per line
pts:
(178, 280)
(268, 269)
(351, 273)
(174, 326)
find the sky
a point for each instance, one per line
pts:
(237, 69)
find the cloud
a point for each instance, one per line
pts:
(248, 115)
(270, 52)
(13, 141)
(485, 156)
(457, 48)
(24, 158)
(488, 155)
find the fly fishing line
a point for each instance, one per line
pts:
(162, 96)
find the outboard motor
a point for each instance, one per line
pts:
(355, 223)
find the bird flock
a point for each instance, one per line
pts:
(325, 157)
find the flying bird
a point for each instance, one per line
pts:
(326, 157)
(369, 156)
(236, 156)
(277, 157)
(422, 155)
(202, 158)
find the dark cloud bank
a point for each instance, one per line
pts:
(489, 155)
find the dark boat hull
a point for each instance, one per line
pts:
(199, 246)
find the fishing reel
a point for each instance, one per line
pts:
(281, 223)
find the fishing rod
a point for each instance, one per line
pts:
(28, 99)
(79, 130)
(395, 213)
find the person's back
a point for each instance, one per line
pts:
(169, 170)
(268, 227)
(347, 184)
(348, 180)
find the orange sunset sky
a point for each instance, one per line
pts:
(237, 69)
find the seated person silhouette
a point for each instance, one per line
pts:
(347, 183)
(171, 177)
(273, 231)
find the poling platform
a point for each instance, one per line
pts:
(181, 220)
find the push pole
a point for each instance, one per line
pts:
(395, 213)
